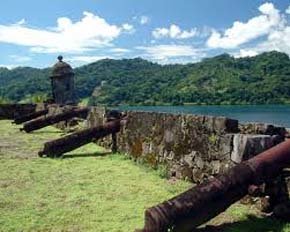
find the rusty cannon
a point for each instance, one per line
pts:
(73, 141)
(199, 204)
(28, 117)
(45, 121)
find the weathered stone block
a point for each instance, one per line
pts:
(247, 146)
(262, 128)
(96, 116)
(189, 160)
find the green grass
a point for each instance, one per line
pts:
(87, 190)
(244, 218)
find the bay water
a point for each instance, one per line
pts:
(272, 114)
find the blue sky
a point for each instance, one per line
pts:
(33, 33)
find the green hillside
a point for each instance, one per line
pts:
(264, 79)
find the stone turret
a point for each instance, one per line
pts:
(62, 82)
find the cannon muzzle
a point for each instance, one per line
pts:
(45, 121)
(203, 202)
(28, 117)
(73, 141)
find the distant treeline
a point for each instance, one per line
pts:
(264, 79)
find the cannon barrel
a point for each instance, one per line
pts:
(203, 202)
(73, 141)
(45, 121)
(28, 117)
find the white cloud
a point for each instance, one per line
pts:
(278, 39)
(246, 53)
(120, 50)
(89, 33)
(8, 66)
(113, 53)
(144, 20)
(174, 32)
(241, 33)
(288, 10)
(81, 60)
(20, 59)
(21, 22)
(171, 53)
(128, 28)
(17, 61)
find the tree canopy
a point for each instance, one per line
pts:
(263, 79)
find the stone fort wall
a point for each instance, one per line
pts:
(194, 147)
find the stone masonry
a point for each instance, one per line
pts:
(193, 147)
(189, 146)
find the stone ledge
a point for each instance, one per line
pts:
(246, 146)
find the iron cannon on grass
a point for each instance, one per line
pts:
(48, 120)
(80, 138)
(199, 204)
(29, 117)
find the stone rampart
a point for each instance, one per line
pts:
(190, 146)
(194, 147)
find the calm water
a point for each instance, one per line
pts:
(273, 114)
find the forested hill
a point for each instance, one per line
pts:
(219, 80)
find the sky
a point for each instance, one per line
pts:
(33, 33)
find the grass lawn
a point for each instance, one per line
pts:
(88, 190)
